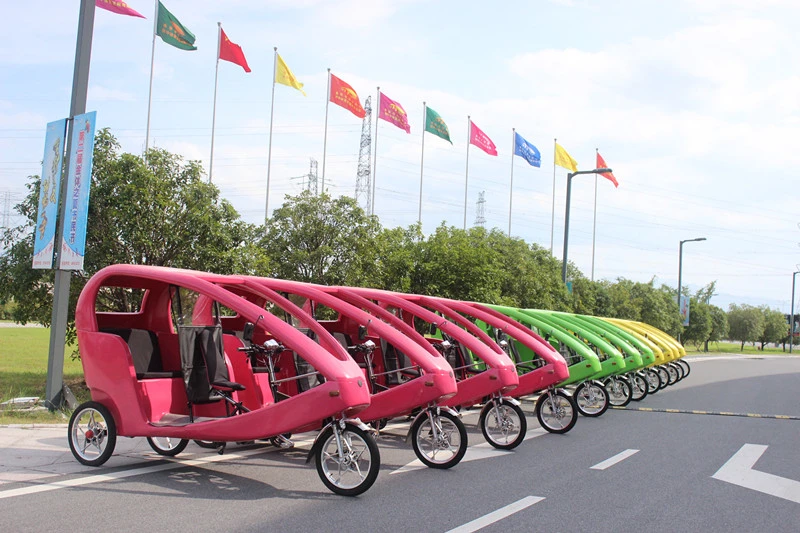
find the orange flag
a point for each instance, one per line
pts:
(344, 95)
(230, 51)
(608, 175)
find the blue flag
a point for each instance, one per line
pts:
(527, 151)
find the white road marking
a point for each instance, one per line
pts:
(496, 516)
(483, 450)
(738, 470)
(611, 461)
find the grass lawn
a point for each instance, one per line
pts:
(23, 372)
(717, 348)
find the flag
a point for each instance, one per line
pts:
(435, 125)
(563, 159)
(118, 7)
(230, 51)
(392, 112)
(527, 151)
(172, 31)
(344, 95)
(284, 76)
(481, 140)
(608, 175)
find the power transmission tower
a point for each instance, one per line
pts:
(364, 174)
(480, 210)
(310, 181)
(6, 209)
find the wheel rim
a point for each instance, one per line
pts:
(639, 387)
(504, 429)
(664, 375)
(617, 392)
(673, 374)
(590, 399)
(653, 381)
(90, 434)
(349, 470)
(166, 444)
(442, 448)
(556, 412)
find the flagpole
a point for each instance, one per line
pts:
(214, 112)
(375, 156)
(594, 222)
(553, 210)
(325, 140)
(422, 161)
(150, 93)
(511, 189)
(271, 114)
(466, 182)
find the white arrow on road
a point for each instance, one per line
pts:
(739, 471)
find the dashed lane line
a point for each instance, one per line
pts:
(713, 413)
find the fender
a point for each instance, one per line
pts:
(424, 412)
(342, 424)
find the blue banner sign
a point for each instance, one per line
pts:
(49, 190)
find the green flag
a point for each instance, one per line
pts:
(435, 124)
(172, 31)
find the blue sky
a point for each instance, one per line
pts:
(694, 103)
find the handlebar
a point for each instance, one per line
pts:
(270, 347)
(365, 348)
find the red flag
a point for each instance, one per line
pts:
(608, 175)
(344, 95)
(481, 140)
(117, 6)
(230, 51)
(393, 112)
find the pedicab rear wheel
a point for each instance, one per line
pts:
(591, 399)
(445, 450)
(355, 469)
(167, 446)
(507, 431)
(619, 391)
(92, 434)
(639, 387)
(556, 411)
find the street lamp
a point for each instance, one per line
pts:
(566, 216)
(680, 264)
(791, 318)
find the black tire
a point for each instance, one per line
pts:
(426, 448)
(591, 399)
(207, 444)
(92, 434)
(619, 391)
(379, 424)
(686, 368)
(663, 376)
(672, 372)
(653, 380)
(167, 446)
(556, 412)
(506, 433)
(679, 368)
(639, 387)
(358, 443)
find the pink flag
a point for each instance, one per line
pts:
(117, 6)
(391, 111)
(481, 140)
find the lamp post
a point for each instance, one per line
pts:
(680, 264)
(566, 216)
(791, 317)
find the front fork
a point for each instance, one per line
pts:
(498, 399)
(432, 412)
(338, 426)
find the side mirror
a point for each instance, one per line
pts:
(247, 334)
(362, 332)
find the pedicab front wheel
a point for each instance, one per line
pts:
(167, 446)
(619, 391)
(442, 448)
(351, 469)
(639, 387)
(591, 399)
(556, 412)
(686, 367)
(92, 434)
(503, 424)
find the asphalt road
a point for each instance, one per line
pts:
(663, 482)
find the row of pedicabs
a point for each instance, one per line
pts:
(218, 359)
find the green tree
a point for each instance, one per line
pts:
(775, 326)
(746, 323)
(700, 323)
(719, 325)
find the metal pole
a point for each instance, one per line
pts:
(325, 141)
(271, 115)
(375, 155)
(58, 320)
(791, 317)
(511, 187)
(150, 93)
(422, 161)
(214, 112)
(466, 182)
(566, 228)
(553, 210)
(680, 269)
(594, 224)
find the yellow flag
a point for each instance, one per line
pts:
(284, 76)
(563, 159)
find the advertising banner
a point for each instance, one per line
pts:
(79, 178)
(685, 309)
(49, 190)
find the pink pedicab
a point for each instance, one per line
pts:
(156, 367)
